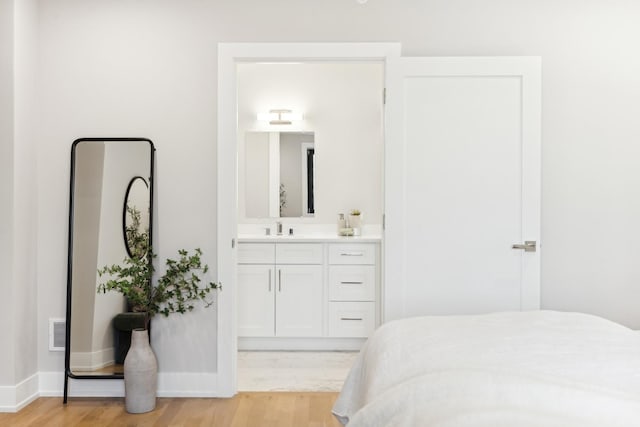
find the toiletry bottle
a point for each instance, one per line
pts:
(342, 223)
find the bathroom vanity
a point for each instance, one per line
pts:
(307, 293)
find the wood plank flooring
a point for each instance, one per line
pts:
(256, 409)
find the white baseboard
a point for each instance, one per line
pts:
(14, 398)
(92, 361)
(300, 344)
(170, 384)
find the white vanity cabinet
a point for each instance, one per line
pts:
(280, 288)
(307, 295)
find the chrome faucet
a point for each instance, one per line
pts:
(279, 228)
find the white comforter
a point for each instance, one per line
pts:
(537, 368)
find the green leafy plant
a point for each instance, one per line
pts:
(137, 241)
(176, 291)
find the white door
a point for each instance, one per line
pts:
(462, 186)
(256, 314)
(299, 301)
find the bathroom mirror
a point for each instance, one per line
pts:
(110, 218)
(279, 174)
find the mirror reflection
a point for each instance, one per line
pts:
(105, 173)
(279, 174)
(135, 217)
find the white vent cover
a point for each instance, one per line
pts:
(57, 334)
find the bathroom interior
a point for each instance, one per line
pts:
(310, 155)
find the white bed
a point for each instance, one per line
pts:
(539, 368)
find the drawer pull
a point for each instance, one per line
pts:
(351, 318)
(352, 254)
(351, 283)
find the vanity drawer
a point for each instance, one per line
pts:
(256, 253)
(352, 282)
(352, 253)
(299, 253)
(351, 319)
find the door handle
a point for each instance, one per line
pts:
(529, 246)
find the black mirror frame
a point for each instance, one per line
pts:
(67, 352)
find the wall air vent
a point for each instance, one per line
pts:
(57, 334)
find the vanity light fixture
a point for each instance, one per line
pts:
(280, 117)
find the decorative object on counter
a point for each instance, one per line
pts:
(176, 291)
(342, 222)
(346, 231)
(355, 221)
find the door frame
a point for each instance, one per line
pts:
(229, 54)
(528, 70)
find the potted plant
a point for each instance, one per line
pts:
(176, 291)
(355, 221)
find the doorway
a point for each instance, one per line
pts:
(230, 55)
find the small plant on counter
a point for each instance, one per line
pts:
(176, 291)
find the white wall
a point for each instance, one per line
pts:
(342, 106)
(253, 171)
(146, 68)
(17, 151)
(7, 373)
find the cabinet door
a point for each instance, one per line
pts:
(256, 310)
(299, 301)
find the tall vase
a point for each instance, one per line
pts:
(140, 374)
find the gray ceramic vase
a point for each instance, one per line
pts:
(140, 374)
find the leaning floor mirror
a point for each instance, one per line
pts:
(110, 218)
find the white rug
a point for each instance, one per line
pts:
(293, 370)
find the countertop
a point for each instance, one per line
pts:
(307, 238)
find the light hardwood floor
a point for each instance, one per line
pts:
(294, 409)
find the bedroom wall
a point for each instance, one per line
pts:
(6, 189)
(18, 197)
(148, 68)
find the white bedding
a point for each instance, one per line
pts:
(538, 368)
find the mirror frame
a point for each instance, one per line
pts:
(67, 355)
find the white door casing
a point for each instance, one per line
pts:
(229, 54)
(462, 185)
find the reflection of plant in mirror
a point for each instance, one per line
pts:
(283, 198)
(177, 290)
(137, 241)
